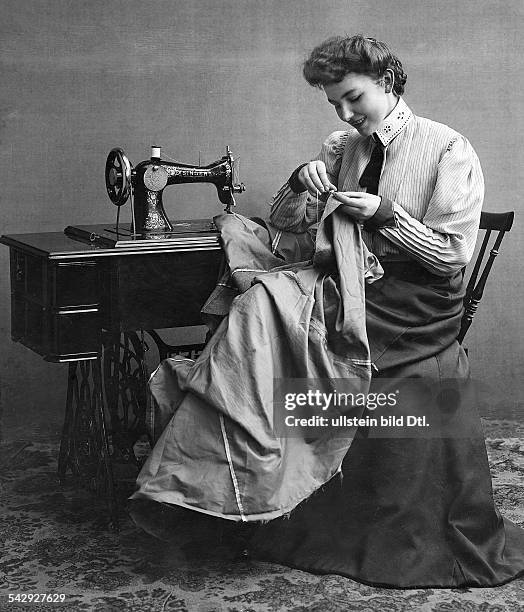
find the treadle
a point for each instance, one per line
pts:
(84, 445)
(99, 438)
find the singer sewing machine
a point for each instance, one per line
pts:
(144, 186)
(95, 297)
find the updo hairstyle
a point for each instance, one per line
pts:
(336, 57)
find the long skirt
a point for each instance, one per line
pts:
(407, 511)
(410, 509)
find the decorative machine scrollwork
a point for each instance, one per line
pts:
(84, 446)
(165, 350)
(95, 440)
(125, 383)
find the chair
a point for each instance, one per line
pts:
(490, 222)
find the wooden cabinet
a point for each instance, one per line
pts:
(55, 305)
(158, 291)
(65, 292)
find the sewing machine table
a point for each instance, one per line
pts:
(82, 304)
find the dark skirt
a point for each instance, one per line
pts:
(408, 510)
(411, 314)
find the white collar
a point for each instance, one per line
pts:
(394, 123)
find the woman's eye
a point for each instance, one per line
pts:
(355, 99)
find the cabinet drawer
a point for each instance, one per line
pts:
(73, 333)
(55, 306)
(74, 284)
(56, 335)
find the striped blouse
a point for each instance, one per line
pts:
(431, 176)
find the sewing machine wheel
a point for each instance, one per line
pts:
(118, 177)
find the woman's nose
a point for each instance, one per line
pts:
(345, 113)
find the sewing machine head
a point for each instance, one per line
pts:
(146, 183)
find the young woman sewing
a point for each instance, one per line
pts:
(408, 511)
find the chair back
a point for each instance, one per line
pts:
(493, 223)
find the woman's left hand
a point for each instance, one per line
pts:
(358, 204)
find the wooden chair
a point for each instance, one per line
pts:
(499, 224)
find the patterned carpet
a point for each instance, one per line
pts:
(52, 540)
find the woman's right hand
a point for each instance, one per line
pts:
(315, 179)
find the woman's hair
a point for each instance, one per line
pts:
(336, 57)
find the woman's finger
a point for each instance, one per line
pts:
(341, 197)
(356, 194)
(351, 195)
(327, 185)
(348, 198)
(311, 179)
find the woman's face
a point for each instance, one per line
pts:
(361, 100)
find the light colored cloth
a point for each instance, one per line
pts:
(431, 174)
(219, 453)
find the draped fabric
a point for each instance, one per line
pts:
(219, 452)
(406, 512)
(398, 511)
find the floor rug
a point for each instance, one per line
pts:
(54, 541)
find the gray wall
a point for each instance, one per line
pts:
(82, 76)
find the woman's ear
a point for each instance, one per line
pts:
(389, 80)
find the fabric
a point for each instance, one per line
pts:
(384, 216)
(294, 182)
(411, 314)
(407, 512)
(220, 453)
(431, 174)
(404, 511)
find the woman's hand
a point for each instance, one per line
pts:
(358, 204)
(315, 179)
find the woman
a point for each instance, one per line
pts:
(409, 511)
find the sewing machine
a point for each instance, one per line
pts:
(93, 297)
(144, 186)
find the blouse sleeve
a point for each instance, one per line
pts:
(444, 240)
(295, 212)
